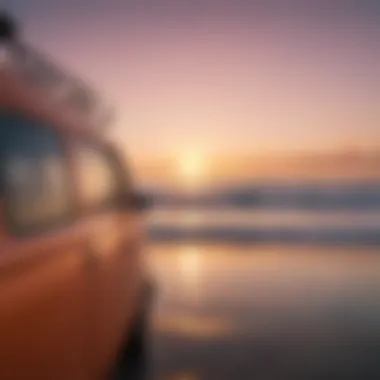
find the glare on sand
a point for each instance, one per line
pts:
(192, 326)
(190, 268)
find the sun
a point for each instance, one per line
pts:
(192, 168)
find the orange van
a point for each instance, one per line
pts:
(74, 292)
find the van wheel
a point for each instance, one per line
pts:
(136, 350)
(132, 362)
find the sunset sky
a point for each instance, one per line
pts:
(195, 79)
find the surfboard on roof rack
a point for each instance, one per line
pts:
(38, 70)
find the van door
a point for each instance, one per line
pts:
(43, 287)
(114, 244)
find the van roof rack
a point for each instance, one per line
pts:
(65, 89)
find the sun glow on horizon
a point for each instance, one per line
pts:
(192, 169)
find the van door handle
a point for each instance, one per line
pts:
(92, 257)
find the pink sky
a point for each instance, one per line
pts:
(225, 78)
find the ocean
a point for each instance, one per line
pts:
(285, 213)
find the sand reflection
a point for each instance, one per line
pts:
(192, 326)
(191, 266)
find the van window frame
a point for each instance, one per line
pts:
(119, 172)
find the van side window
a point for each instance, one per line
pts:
(34, 174)
(98, 178)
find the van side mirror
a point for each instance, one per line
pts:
(139, 202)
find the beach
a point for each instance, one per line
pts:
(227, 311)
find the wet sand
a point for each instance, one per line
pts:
(264, 312)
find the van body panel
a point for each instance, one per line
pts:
(69, 296)
(43, 292)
